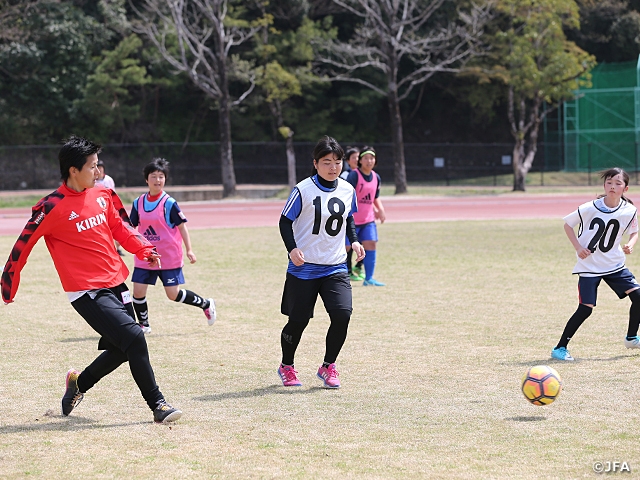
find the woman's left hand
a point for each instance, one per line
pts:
(359, 249)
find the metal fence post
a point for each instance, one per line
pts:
(636, 162)
(446, 171)
(35, 172)
(542, 171)
(495, 173)
(589, 161)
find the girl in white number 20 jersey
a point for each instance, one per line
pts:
(601, 225)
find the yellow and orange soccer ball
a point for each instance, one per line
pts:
(541, 385)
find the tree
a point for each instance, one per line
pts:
(609, 29)
(43, 69)
(197, 37)
(12, 13)
(538, 64)
(279, 85)
(398, 46)
(285, 65)
(108, 92)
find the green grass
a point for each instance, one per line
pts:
(18, 201)
(430, 370)
(26, 200)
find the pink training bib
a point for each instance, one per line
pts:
(167, 240)
(366, 194)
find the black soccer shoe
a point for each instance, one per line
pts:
(165, 413)
(72, 396)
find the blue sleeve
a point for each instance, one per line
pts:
(354, 204)
(378, 188)
(176, 217)
(352, 178)
(293, 207)
(135, 220)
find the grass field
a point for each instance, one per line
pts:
(430, 370)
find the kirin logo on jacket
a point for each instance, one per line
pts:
(91, 222)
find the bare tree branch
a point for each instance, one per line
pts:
(196, 37)
(408, 41)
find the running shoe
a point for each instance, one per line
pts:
(355, 278)
(561, 353)
(210, 311)
(329, 376)
(358, 271)
(144, 325)
(373, 283)
(72, 396)
(165, 413)
(633, 343)
(288, 376)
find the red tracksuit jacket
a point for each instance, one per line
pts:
(79, 229)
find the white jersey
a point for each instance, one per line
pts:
(107, 182)
(600, 229)
(320, 228)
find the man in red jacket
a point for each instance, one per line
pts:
(79, 224)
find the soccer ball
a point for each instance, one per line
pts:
(541, 385)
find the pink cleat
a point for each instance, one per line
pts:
(329, 376)
(288, 376)
(210, 312)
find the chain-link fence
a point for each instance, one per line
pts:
(34, 167)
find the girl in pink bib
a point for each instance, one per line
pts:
(160, 220)
(367, 185)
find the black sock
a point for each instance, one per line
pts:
(141, 308)
(634, 314)
(190, 298)
(580, 315)
(289, 340)
(349, 260)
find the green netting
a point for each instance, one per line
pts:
(601, 124)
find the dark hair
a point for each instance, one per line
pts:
(350, 151)
(326, 146)
(368, 149)
(612, 172)
(156, 165)
(74, 153)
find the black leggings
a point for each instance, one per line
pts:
(121, 338)
(336, 336)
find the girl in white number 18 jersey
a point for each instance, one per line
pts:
(601, 225)
(313, 224)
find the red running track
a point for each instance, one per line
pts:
(261, 213)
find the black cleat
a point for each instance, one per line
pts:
(165, 413)
(72, 396)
